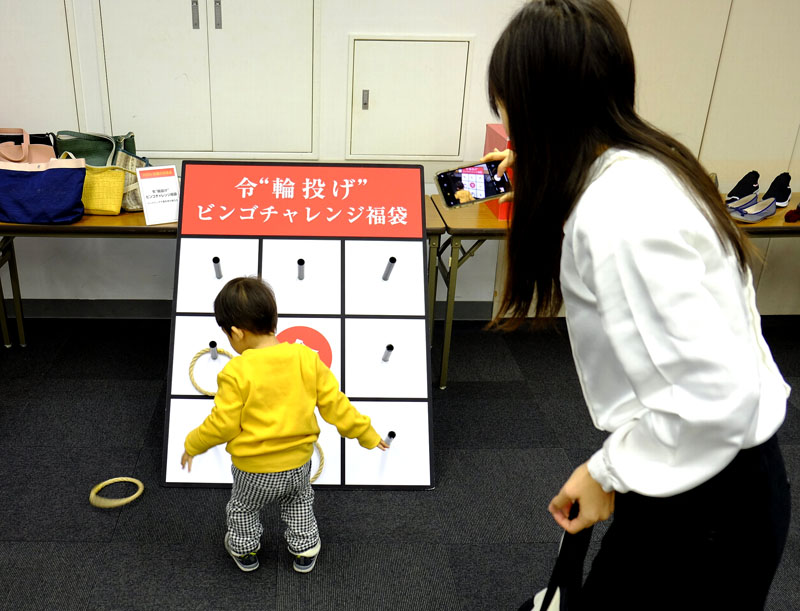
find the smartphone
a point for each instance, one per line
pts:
(472, 184)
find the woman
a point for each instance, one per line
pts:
(619, 223)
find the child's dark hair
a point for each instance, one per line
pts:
(246, 303)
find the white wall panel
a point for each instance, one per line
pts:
(37, 91)
(623, 8)
(675, 73)
(754, 114)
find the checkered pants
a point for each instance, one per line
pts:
(253, 491)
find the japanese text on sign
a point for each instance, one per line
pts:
(270, 199)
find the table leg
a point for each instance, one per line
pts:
(455, 250)
(3, 321)
(433, 275)
(8, 250)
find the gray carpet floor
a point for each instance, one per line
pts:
(85, 401)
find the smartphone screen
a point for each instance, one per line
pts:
(472, 184)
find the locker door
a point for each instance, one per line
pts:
(260, 59)
(415, 91)
(157, 73)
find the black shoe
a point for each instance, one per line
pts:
(247, 562)
(780, 190)
(748, 185)
(304, 563)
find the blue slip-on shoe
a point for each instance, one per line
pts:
(744, 202)
(247, 562)
(758, 212)
(747, 186)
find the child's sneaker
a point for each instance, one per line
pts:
(246, 562)
(305, 561)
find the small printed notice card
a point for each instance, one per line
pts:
(160, 194)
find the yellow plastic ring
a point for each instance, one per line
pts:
(107, 503)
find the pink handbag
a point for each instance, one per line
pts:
(25, 152)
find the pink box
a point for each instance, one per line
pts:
(496, 138)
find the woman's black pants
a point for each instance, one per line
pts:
(714, 547)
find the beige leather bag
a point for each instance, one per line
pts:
(25, 152)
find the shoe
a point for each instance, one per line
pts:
(757, 212)
(748, 185)
(744, 202)
(780, 190)
(247, 562)
(305, 561)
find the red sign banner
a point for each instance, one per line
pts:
(315, 200)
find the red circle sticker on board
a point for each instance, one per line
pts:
(311, 338)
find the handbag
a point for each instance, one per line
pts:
(17, 137)
(48, 192)
(24, 152)
(97, 149)
(102, 189)
(131, 196)
(564, 588)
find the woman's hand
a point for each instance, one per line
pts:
(596, 504)
(506, 159)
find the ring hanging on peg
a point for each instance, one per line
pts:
(389, 266)
(217, 268)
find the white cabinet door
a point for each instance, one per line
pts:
(260, 62)
(157, 73)
(238, 79)
(37, 92)
(415, 100)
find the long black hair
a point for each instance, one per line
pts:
(563, 71)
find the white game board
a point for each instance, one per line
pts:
(343, 248)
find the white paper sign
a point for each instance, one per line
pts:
(160, 194)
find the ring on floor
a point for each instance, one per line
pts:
(107, 503)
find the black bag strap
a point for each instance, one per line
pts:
(567, 574)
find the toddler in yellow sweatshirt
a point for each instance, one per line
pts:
(264, 410)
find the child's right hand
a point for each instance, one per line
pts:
(382, 446)
(186, 461)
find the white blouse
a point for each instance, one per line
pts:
(664, 331)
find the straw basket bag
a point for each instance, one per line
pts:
(103, 188)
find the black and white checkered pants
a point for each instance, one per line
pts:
(253, 491)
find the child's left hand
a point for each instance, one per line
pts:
(186, 461)
(382, 446)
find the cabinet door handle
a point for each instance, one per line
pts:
(365, 99)
(218, 14)
(195, 15)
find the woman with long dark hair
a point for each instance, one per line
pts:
(619, 223)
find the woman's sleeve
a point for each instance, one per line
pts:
(692, 375)
(224, 421)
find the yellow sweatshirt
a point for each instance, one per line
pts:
(264, 410)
